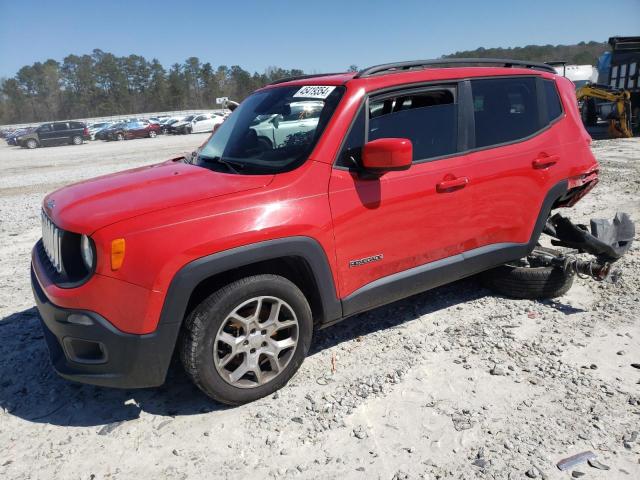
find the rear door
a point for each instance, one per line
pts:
(404, 219)
(516, 157)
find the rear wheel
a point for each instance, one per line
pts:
(247, 339)
(527, 279)
(76, 140)
(31, 144)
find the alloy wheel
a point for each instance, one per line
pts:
(256, 342)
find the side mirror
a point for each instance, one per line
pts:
(387, 154)
(276, 121)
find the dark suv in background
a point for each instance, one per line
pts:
(56, 133)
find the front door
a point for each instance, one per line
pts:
(400, 220)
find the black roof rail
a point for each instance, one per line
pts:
(301, 77)
(455, 62)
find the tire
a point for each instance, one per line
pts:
(31, 144)
(120, 137)
(589, 112)
(152, 134)
(528, 282)
(188, 130)
(204, 355)
(76, 140)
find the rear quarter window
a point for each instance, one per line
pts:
(554, 106)
(505, 110)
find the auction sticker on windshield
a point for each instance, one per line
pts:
(314, 92)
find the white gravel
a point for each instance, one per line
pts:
(453, 383)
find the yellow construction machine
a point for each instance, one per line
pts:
(619, 118)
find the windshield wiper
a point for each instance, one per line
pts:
(231, 165)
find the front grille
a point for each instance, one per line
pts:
(52, 242)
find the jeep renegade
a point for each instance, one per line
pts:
(319, 197)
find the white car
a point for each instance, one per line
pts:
(204, 122)
(274, 130)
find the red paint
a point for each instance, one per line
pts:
(388, 154)
(173, 213)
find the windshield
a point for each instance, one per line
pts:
(188, 119)
(272, 131)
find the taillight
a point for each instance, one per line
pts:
(85, 131)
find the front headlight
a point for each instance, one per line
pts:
(86, 250)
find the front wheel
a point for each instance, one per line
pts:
(31, 144)
(120, 137)
(247, 339)
(152, 134)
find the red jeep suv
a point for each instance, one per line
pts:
(319, 198)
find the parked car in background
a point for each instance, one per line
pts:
(204, 122)
(11, 136)
(137, 129)
(55, 133)
(104, 133)
(166, 124)
(96, 127)
(274, 130)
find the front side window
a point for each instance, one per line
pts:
(272, 131)
(428, 118)
(505, 110)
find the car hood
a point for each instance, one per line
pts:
(180, 124)
(90, 205)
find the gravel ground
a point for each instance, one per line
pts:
(453, 383)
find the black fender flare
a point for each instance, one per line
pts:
(193, 273)
(557, 192)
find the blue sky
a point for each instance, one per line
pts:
(316, 36)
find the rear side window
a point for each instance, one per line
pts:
(75, 125)
(505, 110)
(60, 127)
(427, 118)
(554, 107)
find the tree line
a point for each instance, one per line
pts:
(583, 53)
(103, 84)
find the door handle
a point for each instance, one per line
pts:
(545, 161)
(452, 185)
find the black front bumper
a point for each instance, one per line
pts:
(99, 353)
